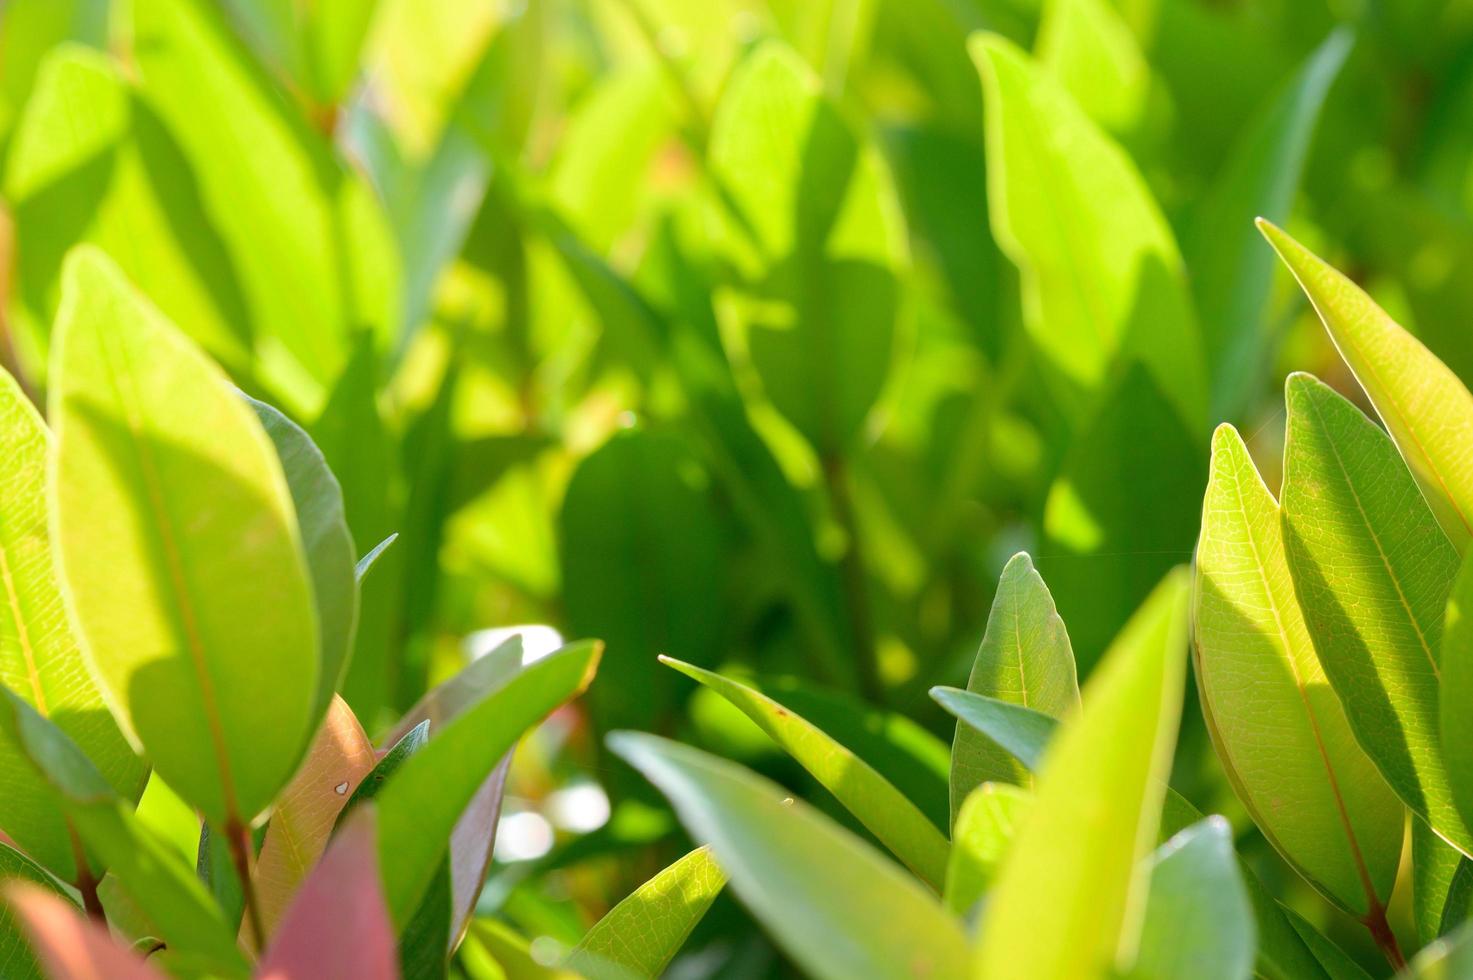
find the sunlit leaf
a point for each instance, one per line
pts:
(71, 947)
(1277, 725)
(177, 541)
(1025, 659)
(986, 824)
(40, 659)
(643, 933)
(883, 810)
(1427, 410)
(1070, 896)
(340, 758)
(765, 841)
(1372, 571)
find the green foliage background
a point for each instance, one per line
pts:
(759, 334)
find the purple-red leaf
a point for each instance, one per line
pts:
(69, 946)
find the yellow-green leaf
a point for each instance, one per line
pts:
(860, 918)
(1069, 900)
(39, 656)
(640, 935)
(1025, 659)
(883, 809)
(177, 542)
(1427, 410)
(985, 827)
(1275, 722)
(1372, 571)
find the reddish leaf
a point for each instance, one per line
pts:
(341, 755)
(69, 946)
(337, 927)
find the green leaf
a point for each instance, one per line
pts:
(315, 45)
(1198, 923)
(1069, 899)
(17, 962)
(364, 565)
(1025, 659)
(318, 501)
(265, 176)
(1427, 410)
(420, 805)
(147, 867)
(1106, 543)
(818, 234)
(642, 559)
(1020, 732)
(1231, 271)
(39, 656)
(91, 163)
(1102, 277)
(1277, 726)
(1434, 866)
(641, 934)
(472, 841)
(1372, 571)
(177, 541)
(862, 918)
(1089, 47)
(1457, 688)
(986, 825)
(1450, 958)
(884, 811)
(1332, 961)
(1458, 905)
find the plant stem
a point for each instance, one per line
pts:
(239, 837)
(853, 578)
(86, 884)
(1385, 939)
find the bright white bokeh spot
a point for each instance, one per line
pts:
(523, 836)
(580, 808)
(537, 641)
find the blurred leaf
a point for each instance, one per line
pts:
(420, 805)
(643, 567)
(1198, 923)
(177, 541)
(149, 870)
(1102, 277)
(40, 658)
(31, 29)
(1450, 958)
(1089, 47)
(340, 758)
(315, 45)
(1277, 726)
(1333, 961)
(1372, 571)
(1231, 271)
(1457, 687)
(1435, 864)
(72, 947)
(91, 162)
(338, 925)
(17, 958)
(986, 825)
(318, 501)
(355, 441)
(641, 934)
(1069, 899)
(818, 235)
(1105, 542)
(264, 176)
(1025, 659)
(1427, 410)
(766, 843)
(502, 954)
(877, 804)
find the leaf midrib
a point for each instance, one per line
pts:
(23, 634)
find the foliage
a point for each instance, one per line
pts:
(841, 379)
